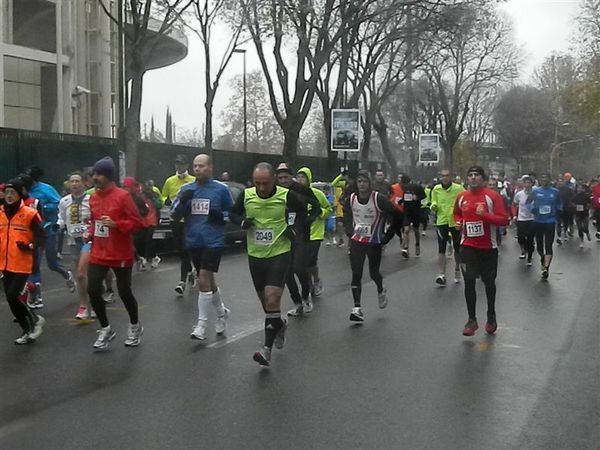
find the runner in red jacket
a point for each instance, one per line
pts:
(477, 213)
(114, 220)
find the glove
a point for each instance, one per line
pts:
(386, 239)
(25, 247)
(215, 217)
(247, 223)
(290, 233)
(186, 196)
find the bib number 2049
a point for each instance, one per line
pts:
(263, 236)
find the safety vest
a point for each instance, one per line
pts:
(397, 195)
(267, 238)
(18, 228)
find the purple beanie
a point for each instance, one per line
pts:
(106, 167)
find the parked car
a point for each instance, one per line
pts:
(163, 235)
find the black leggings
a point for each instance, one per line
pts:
(178, 229)
(96, 274)
(300, 254)
(482, 263)
(526, 236)
(144, 244)
(358, 253)
(583, 224)
(13, 286)
(544, 238)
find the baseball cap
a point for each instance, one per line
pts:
(283, 167)
(181, 159)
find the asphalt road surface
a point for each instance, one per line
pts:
(405, 379)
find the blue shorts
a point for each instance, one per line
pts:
(330, 224)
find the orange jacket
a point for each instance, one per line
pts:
(397, 195)
(18, 228)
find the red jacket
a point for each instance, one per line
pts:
(480, 231)
(596, 196)
(113, 247)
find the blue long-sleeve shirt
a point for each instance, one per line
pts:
(49, 198)
(209, 202)
(544, 202)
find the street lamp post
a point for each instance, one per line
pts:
(243, 52)
(555, 149)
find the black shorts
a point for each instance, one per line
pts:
(269, 271)
(444, 234)
(476, 262)
(206, 258)
(413, 218)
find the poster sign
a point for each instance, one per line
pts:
(429, 148)
(345, 130)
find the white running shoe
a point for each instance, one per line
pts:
(356, 315)
(109, 296)
(24, 339)
(105, 335)
(191, 279)
(38, 328)
(317, 288)
(297, 311)
(457, 276)
(155, 262)
(263, 356)
(280, 337)
(82, 313)
(221, 324)
(199, 331)
(441, 279)
(142, 262)
(180, 288)
(71, 282)
(134, 334)
(307, 305)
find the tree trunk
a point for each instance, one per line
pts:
(366, 145)
(381, 129)
(291, 138)
(132, 123)
(208, 136)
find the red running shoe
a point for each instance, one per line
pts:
(470, 327)
(491, 326)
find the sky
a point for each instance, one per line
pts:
(541, 27)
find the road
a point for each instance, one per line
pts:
(405, 379)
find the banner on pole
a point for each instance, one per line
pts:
(345, 130)
(429, 148)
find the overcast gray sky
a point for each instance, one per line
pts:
(541, 27)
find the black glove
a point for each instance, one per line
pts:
(215, 217)
(290, 233)
(186, 196)
(168, 202)
(386, 239)
(25, 247)
(247, 223)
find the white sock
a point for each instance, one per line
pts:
(204, 305)
(218, 303)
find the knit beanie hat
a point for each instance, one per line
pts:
(106, 167)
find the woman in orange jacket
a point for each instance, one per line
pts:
(21, 233)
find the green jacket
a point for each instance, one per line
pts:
(317, 229)
(442, 203)
(172, 186)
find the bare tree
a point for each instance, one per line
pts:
(141, 40)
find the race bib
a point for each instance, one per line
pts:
(291, 218)
(77, 229)
(474, 229)
(408, 197)
(101, 231)
(545, 209)
(263, 236)
(579, 208)
(200, 206)
(363, 230)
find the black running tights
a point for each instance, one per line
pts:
(13, 286)
(96, 274)
(358, 253)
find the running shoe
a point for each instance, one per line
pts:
(263, 356)
(82, 313)
(221, 323)
(417, 250)
(529, 262)
(405, 253)
(423, 233)
(35, 297)
(545, 273)
(441, 279)
(142, 262)
(105, 335)
(133, 335)
(297, 311)
(35, 303)
(382, 299)
(199, 331)
(356, 315)
(581, 245)
(559, 241)
(523, 255)
(307, 305)
(59, 256)
(470, 328)
(457, 276)
(180, 288)
(491, 326)
(38, 328)
(71, 282)
(24, 339)
(449, 250)
(92, 313)
(155, 262)
(280, 336)
(109, 296)
(191, 279)
(317, 288)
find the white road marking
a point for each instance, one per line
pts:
(247, 331)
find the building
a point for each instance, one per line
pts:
(58, 65)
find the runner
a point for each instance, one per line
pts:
(581, 204)
(544, 202)
(525, 223)
(339, 185)
(413, 196)
(203, 204)
(316, 232)
(477, 213)
(169, 193)
(397, 199)
(564, 216)
(365, 214)
(74, 216)
(21, 233)
(443, 197)
(263, 211)
(114, 220)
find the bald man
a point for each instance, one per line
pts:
(203, 204)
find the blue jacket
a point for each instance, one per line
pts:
(203, 208)
(49, 198)
(544, 203)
